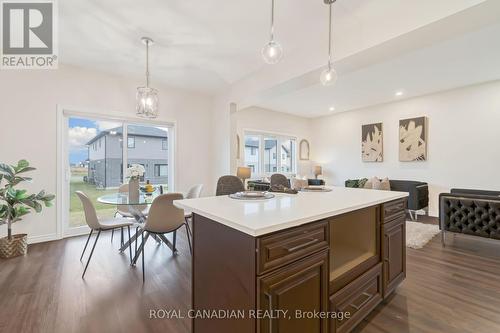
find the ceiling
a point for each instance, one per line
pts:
(412, 64)
(200, 45)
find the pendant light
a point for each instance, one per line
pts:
(147, 97)
(329, 75)
(272, 52)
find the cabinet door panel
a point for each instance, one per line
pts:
(301, 286)
(394, 254)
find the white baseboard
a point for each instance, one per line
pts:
(42, 238)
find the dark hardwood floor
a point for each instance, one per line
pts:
(452, 289)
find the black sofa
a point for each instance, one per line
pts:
(418, 192)
(471, 212)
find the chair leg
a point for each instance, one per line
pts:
(141, 247)
(91, 253)
(142, 250)
(174, 242)
(188, 227)
(135, 243)
(87, 243)
(189, 239)
(121, 238)
(130, 246)
(112, 234)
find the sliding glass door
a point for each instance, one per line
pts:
(98, 153)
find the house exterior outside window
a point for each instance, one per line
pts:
(145, 146)
(266, 154)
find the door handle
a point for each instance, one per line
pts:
(270, 302)
(301, 246)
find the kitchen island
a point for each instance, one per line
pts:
(310, 262)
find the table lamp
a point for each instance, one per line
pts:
(243, 173)
(318, 171)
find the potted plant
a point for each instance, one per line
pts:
(15, 203)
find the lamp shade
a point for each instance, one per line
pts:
(318, 170)
(244, 172)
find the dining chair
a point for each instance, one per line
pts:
(278, 179)
(164, 217)
(229, 185)
(99, 225)
(193, 193)
(124, 211)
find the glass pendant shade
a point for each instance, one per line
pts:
(147, 98)
(147, 102)
(328, 77)
(272, 52)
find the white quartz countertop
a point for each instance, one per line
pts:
(284, 211)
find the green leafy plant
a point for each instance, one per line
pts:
(15, 203)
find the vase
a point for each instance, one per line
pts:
(14, 247)
(133, 190)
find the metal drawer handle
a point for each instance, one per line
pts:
(368, 297)
(270, 301)
(301, 246)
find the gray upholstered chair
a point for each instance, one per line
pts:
(278, 179)
(95, 224)
(124, 211)
(229, 185)
(163, 218)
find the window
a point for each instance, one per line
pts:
(252, 156)
(268, 153)
(164, 144)
(131, 142)
(161, 170)
(288, 156)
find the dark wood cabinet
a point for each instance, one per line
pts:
(301, 286)
(358, 299)
(394, 253)
(342, 264)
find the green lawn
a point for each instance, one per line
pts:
(76, 210)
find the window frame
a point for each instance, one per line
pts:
(280, 138)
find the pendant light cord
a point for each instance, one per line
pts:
(147, 64)
(330, 38)
(272, 20)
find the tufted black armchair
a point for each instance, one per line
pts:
(472, 212)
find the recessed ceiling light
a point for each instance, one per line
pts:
(332, 108)
(399, 93)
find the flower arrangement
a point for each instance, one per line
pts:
(135, 171)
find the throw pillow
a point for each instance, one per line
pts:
(298, 184)
(368, 184)
(376, 183)
(385, 185)
(362, 182)
(352, 183)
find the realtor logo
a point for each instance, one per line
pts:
(28, 35)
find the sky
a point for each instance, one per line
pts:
(82, 131)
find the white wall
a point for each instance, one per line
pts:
(28, 125)
(463, 141)
(255, 118)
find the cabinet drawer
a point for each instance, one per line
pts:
(393, 209)
(358, 299)
(284, 247)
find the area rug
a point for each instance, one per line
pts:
(418, 234)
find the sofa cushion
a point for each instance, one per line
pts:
(385, 184)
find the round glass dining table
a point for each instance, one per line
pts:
(135, 207)
(124, 199)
